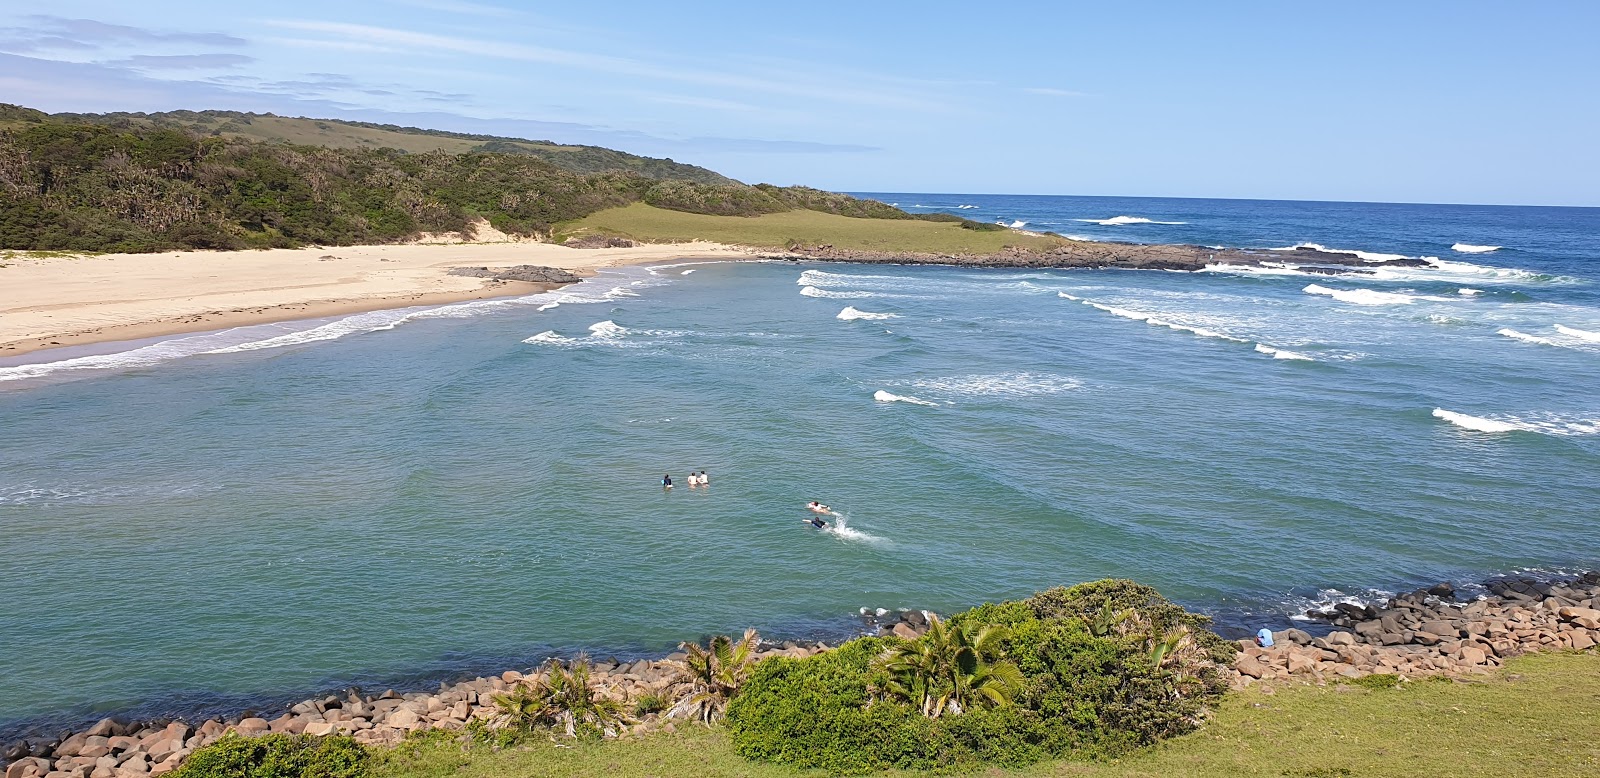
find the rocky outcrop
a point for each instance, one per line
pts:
(113, 748)
(1128, 256)
(537, 274)
(598, 242)
(1430, 632)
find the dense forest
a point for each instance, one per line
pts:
(70, 184)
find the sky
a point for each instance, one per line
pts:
(1444, 102)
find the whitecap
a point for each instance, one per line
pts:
(1278, 353)
(1361, 296)
(966, 207)
(811, 291)
(687, 272)
(1370, 256)
(1150, 318)
(1118, 221)
(850, 313)
(1017, 384)
(1525, 337)
(1474, 423)
(885, 397)
(1577, 333)
(1468, 248)
(1466, 292)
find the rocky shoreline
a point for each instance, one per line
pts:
(1127, 256)
(1428, 632)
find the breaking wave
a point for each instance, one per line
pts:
(811, 291)
(1525, 337)
(1593, 337)
(1468, 248)
(1151, 319)
(1370, 256)
(1547, 424)
(1278, 353)
(850, 313)
(1118, 221)
(885, 397)
(1363, 296)
(997, 385)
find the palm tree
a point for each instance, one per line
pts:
(715, 673)
(562, 696)
(947, 669)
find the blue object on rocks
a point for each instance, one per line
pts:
(1264, 637)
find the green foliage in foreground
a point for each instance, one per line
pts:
(1538, 717)
(278, 756)
(1006, 684)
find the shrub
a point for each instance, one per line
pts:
(278, 756)
(1377, 681)
(1087, 683)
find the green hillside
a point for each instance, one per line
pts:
(180, 180)
(337, 134)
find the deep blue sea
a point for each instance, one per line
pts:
(404, 496)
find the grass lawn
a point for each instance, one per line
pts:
(1538, 717)
(775, 230)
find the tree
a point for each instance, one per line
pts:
(716, 671)
(951, 669)
(564, 697)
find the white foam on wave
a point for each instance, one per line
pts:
(1119, 221)
(1362, 296)
(1593, 337)
(1466, 292)
(886, 397)
(1278, 353)
(1525, 337)
(824, 278)
(1468, 248)
(966, 207)
(1151, 319)
(687, 272)
(830, 294)
(1019, 384)
(1274, 269)
(850, 313)
(1542, 423)
(1370, 256)
(1474, 423)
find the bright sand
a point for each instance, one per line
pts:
(48, 302)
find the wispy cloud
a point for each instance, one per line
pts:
(1053, 92)
(183, 61)
(462, 7)
(410, 40)
(62, 32)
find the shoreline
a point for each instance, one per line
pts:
(1491, 620)
(64, 301)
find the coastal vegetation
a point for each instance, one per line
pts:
(136, 183)
(797, 228)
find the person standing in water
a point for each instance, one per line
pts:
(666, 481)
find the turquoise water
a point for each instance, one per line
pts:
(402, 496)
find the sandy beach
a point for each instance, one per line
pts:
(49, 302)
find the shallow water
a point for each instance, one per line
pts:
(402, 496)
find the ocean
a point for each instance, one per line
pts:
(227, 520)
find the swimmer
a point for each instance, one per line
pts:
(817, 507)
(666, 481)
(818, 523)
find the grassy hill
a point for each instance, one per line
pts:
(337, 134)
(222, 180)
(649, 224)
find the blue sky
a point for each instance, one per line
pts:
(1413, 101)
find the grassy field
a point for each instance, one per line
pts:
(1538, 717)
(776, 230)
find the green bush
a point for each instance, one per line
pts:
(278, 756)
(1086, 689)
